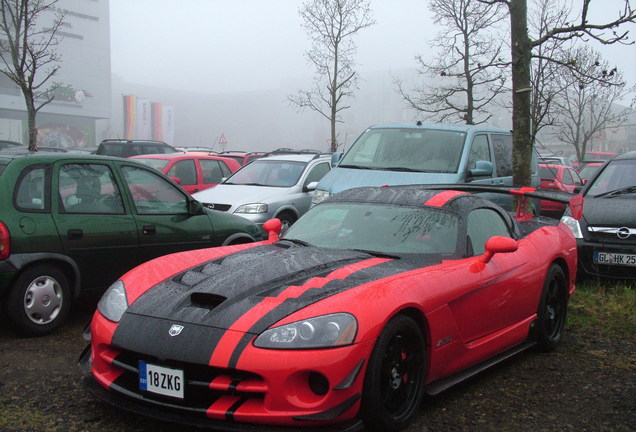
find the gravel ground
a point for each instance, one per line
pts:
(588, 384)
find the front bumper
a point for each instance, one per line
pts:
(269, 389)
(138, 407)
(589, 268)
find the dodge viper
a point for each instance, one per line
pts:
(374, 298)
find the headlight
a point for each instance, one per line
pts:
(114, 303)
(573, 224)
(252, 208)
(319, 196)
(320, 332)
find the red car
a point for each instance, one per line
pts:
(371, 299)
(561, 178)
(193, 172)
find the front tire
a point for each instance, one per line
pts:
(286, 219)
(39, 300)
(552, 312)
(394, 381)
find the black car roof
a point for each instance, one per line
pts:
(414, 196)
(626, 155)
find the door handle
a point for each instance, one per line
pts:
(75, 234)
(149, 229)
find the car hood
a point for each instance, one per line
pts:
(610, 211)
(339, 179)
(242, 294)
(240, 194)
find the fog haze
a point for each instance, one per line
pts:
(233, 45)
(228, 47)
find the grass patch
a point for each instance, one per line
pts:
(609, 307)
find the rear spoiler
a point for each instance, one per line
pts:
(575, 201)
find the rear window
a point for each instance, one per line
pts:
(547, 173)
(111, 149)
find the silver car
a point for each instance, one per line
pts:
(279, 186)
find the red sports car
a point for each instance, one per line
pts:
(370, 300)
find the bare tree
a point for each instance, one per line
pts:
(28, 53)
(587, 106)
(469, 62)
(522, 47)
(546, 64)
(331, 25)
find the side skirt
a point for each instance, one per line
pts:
(445, 383)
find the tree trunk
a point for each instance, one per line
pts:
(521, 92)
(31, 112)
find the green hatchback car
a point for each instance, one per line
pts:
(71, 223)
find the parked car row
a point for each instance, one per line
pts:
(375, 264)
(71, 223)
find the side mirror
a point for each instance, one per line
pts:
(195, 208)
(498, 244)
(335, 159)
(310, 186)
(273, 227)
(482, 168)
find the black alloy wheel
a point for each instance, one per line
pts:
(552, 312)
(394, 381)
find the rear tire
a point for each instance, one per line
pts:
(39, 300)
(394, 381)
(552, 312)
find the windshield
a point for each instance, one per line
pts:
(618, 175)
(382, 228)
(588, 171)
(422, 150)
(274, 173)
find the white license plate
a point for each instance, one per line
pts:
(607, 258)
(161, 380)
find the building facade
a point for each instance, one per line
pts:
(84, 94)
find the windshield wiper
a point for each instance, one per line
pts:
(617, 192)
(355, 167)
(401, 169)
(377, 254)
(296, 241)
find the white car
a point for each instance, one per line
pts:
(278, 186)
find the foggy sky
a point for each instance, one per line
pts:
(220, 46)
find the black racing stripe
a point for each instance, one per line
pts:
(150, 336)
(229, 415)
(313, 295)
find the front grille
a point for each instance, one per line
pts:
(615, 235)
(218, 207)
(203, 385)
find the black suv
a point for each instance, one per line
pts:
(127, 148)
(606, 234)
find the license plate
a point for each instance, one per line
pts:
(161, 380)
(607, 258)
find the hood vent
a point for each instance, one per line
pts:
(206, 300)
